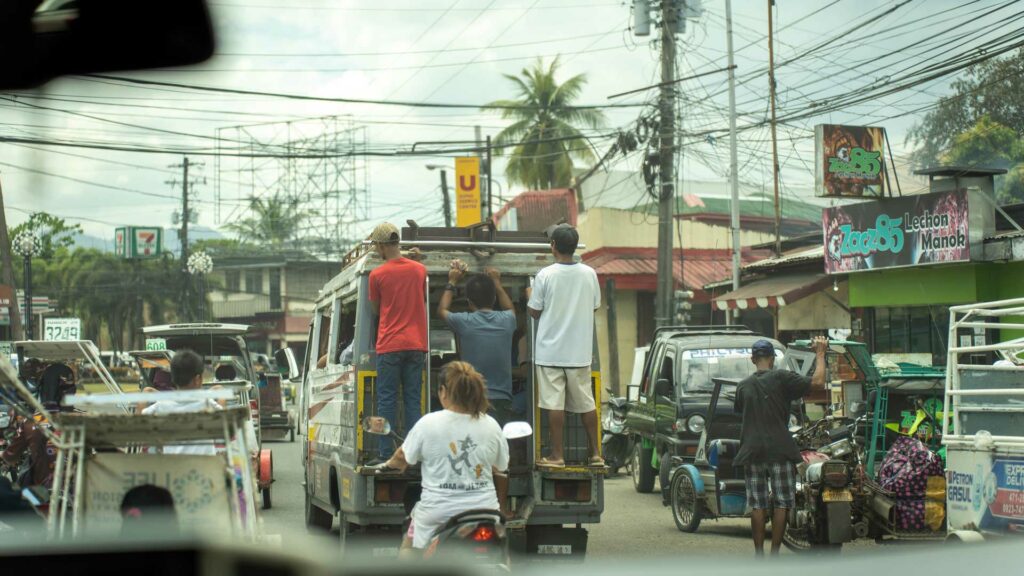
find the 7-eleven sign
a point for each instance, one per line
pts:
(135, 242)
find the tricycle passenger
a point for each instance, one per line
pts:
(186, 374)
(563, 300)
(459, 449)
(397, 295)
(767, 450)
(485, 334)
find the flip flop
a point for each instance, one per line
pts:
(545, 463)
(596, 461)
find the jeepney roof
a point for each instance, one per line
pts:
(511, 265)
(55, 350)
(197, 328)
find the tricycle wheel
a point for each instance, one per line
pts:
(687, 509)
(266, 498)
(316, 517)
(665, 476)
(643, 473)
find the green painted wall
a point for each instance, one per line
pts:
(945, 285)
(956, 284)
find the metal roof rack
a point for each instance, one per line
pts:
(705, 330)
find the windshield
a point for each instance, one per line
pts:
(698, 367)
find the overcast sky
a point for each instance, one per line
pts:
(455, 51)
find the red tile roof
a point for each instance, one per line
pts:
(637, 268)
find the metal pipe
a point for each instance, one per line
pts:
(76, 503)
(734, 185)
(987, 305)
(988, 392)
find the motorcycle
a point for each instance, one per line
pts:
(478, 536)
(823, 516)
(616, 445)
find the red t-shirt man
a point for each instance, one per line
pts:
(397, 293)
(398, 286)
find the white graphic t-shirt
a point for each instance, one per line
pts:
(457, 453)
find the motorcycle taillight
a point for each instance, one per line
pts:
(483, 534)
(835, 473)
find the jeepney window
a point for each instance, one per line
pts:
(323, 329)
(653, 356)
(667, 362)
(344, 332)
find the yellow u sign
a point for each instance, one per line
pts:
(467, 191)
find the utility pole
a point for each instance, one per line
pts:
(734, 178)
(666, 154)
(447, 200)
(184, 314)
(775, 143)
(8, 270)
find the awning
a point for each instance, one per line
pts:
(772, 292)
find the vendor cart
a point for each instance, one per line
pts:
(985, 437)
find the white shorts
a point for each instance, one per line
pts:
(566, 389)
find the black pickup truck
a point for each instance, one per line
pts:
(667, 410)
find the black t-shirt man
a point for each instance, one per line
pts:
(764, 398)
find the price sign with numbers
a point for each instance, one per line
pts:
(156, 344)
(62, 329)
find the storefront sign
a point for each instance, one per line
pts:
(849, 161)
(135, 242)
(907, 231)
(6, 296)
(467, 191)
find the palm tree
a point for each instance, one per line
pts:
(273, 221)
(545, 133)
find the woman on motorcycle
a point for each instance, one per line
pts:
(458, 449)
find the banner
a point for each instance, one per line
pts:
(849, 161)
(467, 191)
(907, 231)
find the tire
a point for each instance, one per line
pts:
(665, 477)
(266, 498)
(687, 509)
(317, 518)
(643, 474)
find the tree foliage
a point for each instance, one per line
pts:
(276, 220)
(991, 88)
(545, 131)
(53, 232)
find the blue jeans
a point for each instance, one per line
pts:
(396, 369)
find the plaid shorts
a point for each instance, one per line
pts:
(781, 476)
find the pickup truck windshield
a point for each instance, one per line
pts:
(698, 367)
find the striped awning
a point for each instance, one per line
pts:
(774, 292)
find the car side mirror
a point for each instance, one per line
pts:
(663, 387)
(285, 359)
(57, 37)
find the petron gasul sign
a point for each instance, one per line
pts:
(898, 232)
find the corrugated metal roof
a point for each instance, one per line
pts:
(796, 257)
(535, 210)
(698, 267)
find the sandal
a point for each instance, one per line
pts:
(596, 461)
(545, 463)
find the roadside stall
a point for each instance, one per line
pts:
(984, 438)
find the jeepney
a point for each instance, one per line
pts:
(984, 432)
(551, 505)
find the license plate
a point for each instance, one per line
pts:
(555, 549)
(837, 495)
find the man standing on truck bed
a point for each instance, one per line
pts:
(767, 451)
(563, 300)
(485, 334)
(397, 295)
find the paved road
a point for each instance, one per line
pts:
(633, 524)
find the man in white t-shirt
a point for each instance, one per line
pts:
(186, 374)
(563, 300)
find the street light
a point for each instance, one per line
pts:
(444, 192)
(27, 245)
(200, 264)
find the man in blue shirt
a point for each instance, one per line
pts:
(485, 334)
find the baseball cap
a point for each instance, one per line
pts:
(565, 237)
(762, 348)
(385, 233)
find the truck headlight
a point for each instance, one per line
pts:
(695, 424)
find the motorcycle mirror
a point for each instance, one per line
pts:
(514, 430)
(378, 425)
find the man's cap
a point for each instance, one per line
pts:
(762, 348)
(386, 233)
(562, 232)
